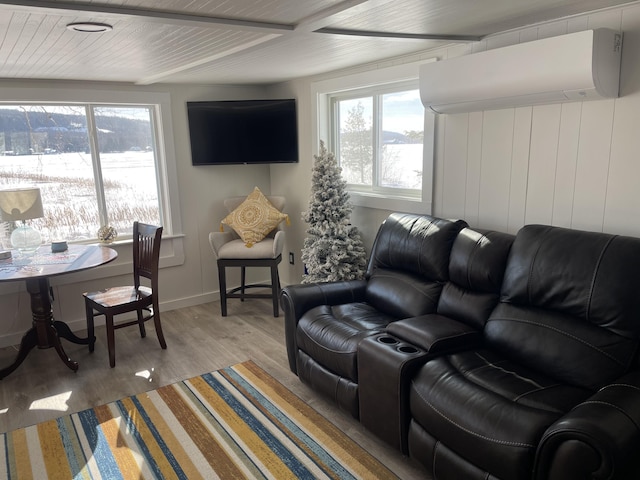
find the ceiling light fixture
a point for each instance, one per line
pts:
(89, 27)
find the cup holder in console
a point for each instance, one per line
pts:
(407, 349)
(397, 345)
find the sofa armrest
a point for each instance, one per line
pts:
(599, 438)
(436, 334)
(295, 300)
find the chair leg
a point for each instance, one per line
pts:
(111, 342)
(275, 289)
(90, 328)
(222, 281)
(243, 277)
(158, 325)
(143, 332)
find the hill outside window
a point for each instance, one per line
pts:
(95, 165)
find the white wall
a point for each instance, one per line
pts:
(575, 165)
(571, 165)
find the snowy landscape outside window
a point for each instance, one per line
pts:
(95, 165)
(378, 139)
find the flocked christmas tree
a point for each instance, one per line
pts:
(333, 249)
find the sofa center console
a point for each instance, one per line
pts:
(385, 363)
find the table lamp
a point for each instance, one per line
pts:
(20, 204)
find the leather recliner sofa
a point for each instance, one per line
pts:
(481, 354)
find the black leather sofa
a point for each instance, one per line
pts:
(480, 354)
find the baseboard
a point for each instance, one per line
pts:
(80, 324)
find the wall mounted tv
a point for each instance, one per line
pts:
(228, 132)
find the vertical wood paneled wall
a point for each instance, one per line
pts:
(575, 164)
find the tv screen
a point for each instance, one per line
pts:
(230, 132)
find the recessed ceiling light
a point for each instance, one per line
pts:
(89, 27)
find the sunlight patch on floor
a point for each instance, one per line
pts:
(54, 402)
(148, 374)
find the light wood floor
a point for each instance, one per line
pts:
(199, 340)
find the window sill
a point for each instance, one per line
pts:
(394, 204)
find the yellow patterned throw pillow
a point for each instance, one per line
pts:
(254, 218)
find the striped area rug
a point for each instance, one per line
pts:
(237, 422)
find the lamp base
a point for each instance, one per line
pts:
(26, 239)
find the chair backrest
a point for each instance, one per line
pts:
(146, 253)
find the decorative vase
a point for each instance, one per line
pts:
(107, 234)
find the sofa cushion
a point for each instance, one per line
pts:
(570, 304)
(564, 347)
(417, 244)
(592, 276)
(478, 259)
(402, 294)
(489, 410)
(341, 390)
(476, 267)
(409, 263)
(331, 334)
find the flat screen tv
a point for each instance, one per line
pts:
(228, 132)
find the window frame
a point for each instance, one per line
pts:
(377, 79)
(376, 93)
(162, 130)
(172, 252)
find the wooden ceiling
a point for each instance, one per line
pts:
(245, 41)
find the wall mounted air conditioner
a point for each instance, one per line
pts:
(577, 66)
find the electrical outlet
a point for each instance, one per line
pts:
(291, 258)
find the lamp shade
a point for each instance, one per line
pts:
(20, 204)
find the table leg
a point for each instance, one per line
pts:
(65, 332)
(45, 332)
(29, 340)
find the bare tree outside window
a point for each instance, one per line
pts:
(356, 142)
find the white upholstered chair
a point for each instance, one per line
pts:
(231, 251)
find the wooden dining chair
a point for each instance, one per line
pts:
(139, 298)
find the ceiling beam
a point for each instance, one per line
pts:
(203, 61)
(400, 35)
(328, 15)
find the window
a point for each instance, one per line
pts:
(375, 124)
(378, 139)
(95, 165)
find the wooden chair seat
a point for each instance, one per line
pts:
(121, 299)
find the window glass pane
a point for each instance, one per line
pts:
(356, 140)
(127, 159)
(48, 147)
(402, 139)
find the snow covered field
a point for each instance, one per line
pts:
(68, 190)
